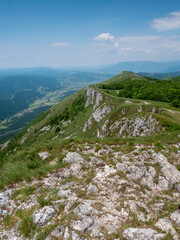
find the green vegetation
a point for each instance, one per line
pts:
(23, 192)
(27, 227)
(66, 120)
(148, 89)
(69, 113)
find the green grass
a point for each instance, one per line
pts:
(43, 233)
(21, 162)
(24, 192)
(27, 227)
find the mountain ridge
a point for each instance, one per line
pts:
(94, 166)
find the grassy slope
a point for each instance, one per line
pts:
(22, 161)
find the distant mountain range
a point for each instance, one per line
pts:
(143, 66)
(134, 66)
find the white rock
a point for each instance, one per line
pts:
(46, 128)
(99, 114)
(175, 216)
(99, 99)
(44, 155)
(165, 225)
(92, 189)
(83, 225)
(57, 232)
(142, 234)
(169, 171)
(84, 208)
(42, 215)
(73, 157)
(66, 234)
(4, 198)
(91, 94)
(128, 101)
(74, 236)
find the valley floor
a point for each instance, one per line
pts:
(103, 192)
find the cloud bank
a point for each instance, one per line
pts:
(172, 21)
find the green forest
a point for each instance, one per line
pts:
(149, 89)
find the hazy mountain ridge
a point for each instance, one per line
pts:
(143, 66)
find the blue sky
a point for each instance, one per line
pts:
(59, 33)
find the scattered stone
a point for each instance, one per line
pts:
(5, 145)
(46, 128)
(128, 101)
(23, 140)
(165, 225)
(142, 234)
(92, 189)
(4, 198)
(74, 236)
(57, 232)
(168, 170)
(175, 216)
(82, 225)
(43, 215)
(73, 157)
(66, 234)
(44, 155)
(84, 208)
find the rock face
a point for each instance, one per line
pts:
(142, 234)
(97, 116)
(42, 216)
(137, 127)
(93, 96)
(102, 192)
(169, 171)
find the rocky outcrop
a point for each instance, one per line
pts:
(43, 215)
(102, 192)
(142, 234)
(138, 127)
(165, 225)
(97, 116)
(169, 171)
(93, 97)
(175, 216)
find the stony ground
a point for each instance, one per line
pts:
(104, 192)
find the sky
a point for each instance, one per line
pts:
(66, 33)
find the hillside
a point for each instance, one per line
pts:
(26, 93)
(95, 166)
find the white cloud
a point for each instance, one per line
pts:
(138, 38)
(60, 44)
(104, 37)
(172, 21)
